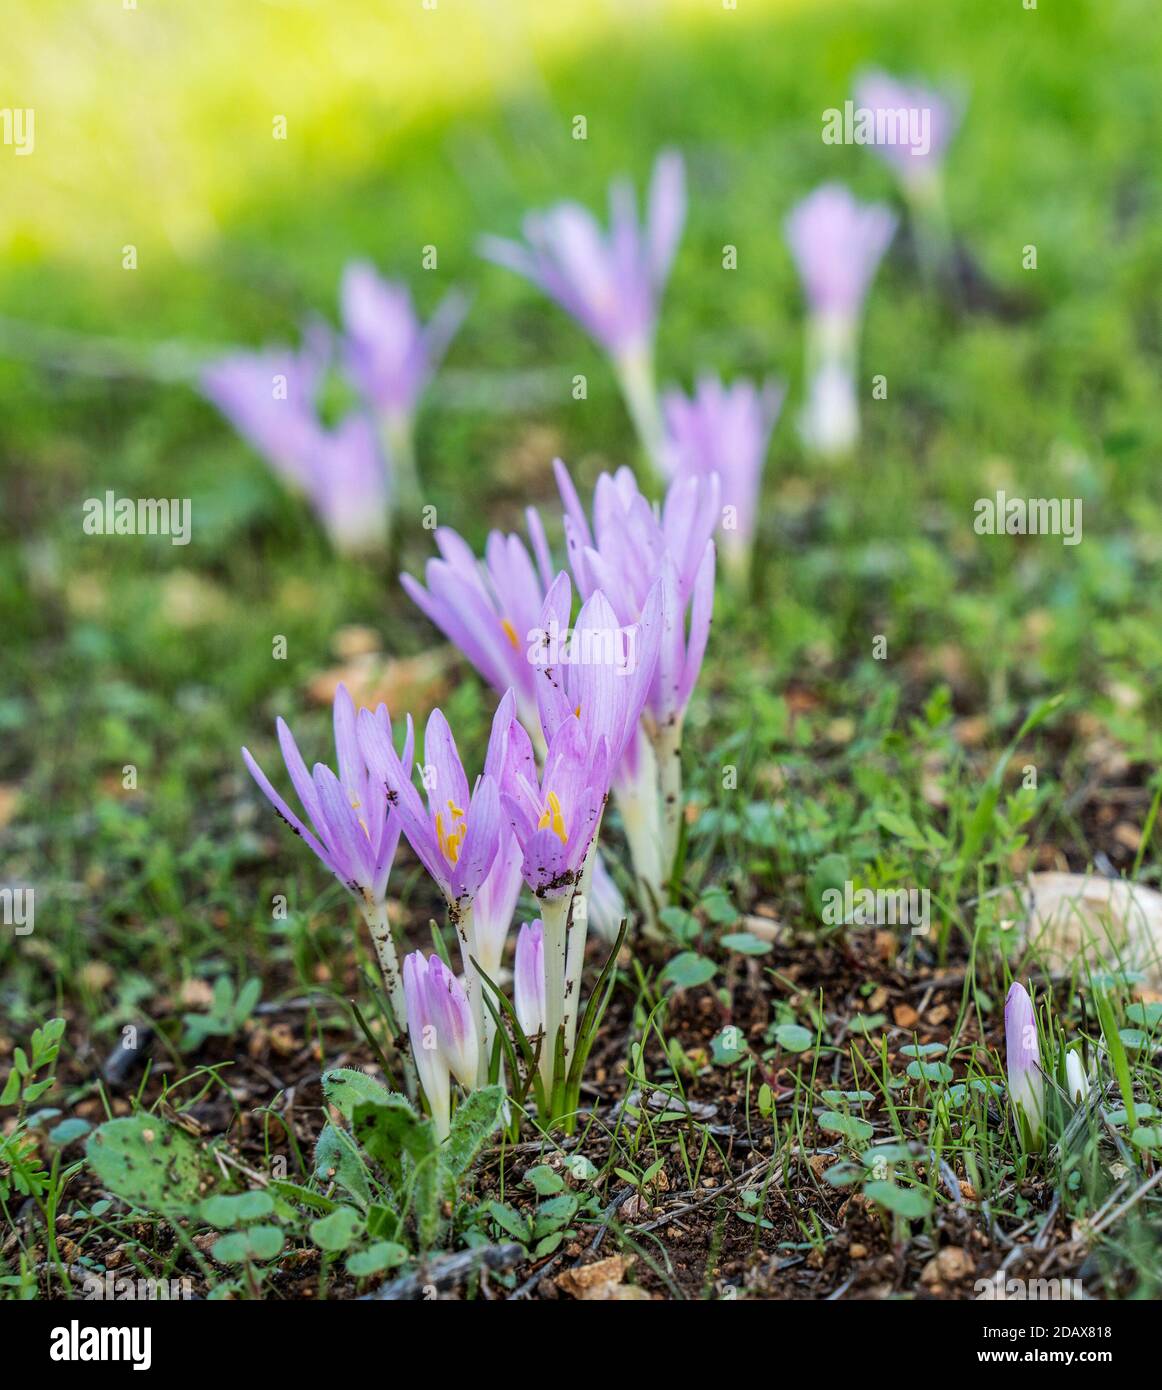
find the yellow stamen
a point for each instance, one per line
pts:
(510, 632)
(552, 819)
(451, 843)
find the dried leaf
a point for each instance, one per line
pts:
(414, 684)
(600, 1282)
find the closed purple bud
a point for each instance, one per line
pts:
(424, 1031)
(455, 1031)
(1023, 1059)
(529, 978)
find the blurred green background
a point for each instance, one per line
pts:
(410, 127)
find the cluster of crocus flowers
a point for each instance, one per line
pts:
(640, 556)
(594, 677)
(836, 243)
(354, 472)
(610, 282)
(725, 430)
(348, 823)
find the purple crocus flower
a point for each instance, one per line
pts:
(510, 755)
(925, 116)
(631, 549)
(529, 978)
(599, 671)
(456, 835)
(488, 609)
(611, 283)
(443, 1034)
(390, 357)
(388, 353)
(837, 244)
(555, 819)
(348, 824)
(725, 430)
(1023, 1061)
(269, 398)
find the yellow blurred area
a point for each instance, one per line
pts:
(154, 119)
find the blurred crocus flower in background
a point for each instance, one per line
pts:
(348, 825)
(606, 904)
(348, 486)
(919, 168)
(610, 282)
(898, 106)
(390, 356)
(1023, 1063)
(837, 244)
(489, 608)
(270, 399)
(443, 1034)
(529, 979)
(725, 430)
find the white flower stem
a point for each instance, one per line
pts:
(555, 923)
(635, 376)
(830, 421)
(481, 1018)
(668, 750)
(398, 440)
(637, 802)
(375, 915)
(930, 225)
(575, 950)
